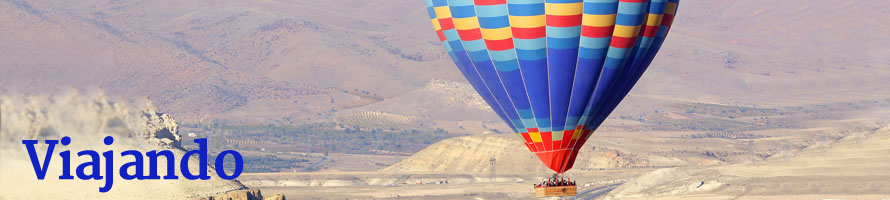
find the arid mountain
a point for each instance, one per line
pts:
(307, 61)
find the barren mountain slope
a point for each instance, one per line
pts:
(274, 61)
(47, 49)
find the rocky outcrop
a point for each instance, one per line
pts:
(251, 194)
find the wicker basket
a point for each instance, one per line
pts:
(557, 191)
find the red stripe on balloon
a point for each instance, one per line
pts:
(649, 31)
(623, 42)
(547, 138)
(489, 2)
(597, 32)
(567, 138)
(667, 20)
(557, 145)
(470, 35)
(528, 141)
(441, 35)
(563, 21)
(446, 23)
(529, 33)
(499, 45)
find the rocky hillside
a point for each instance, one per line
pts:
(437, 100)
(276, 61)
(472, 154)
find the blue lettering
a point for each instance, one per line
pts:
(138, 173)
(220, 159)
(202, 161)
(109, 166)
(137, 162)
(40, 170)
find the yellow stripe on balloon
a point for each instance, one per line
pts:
(626, 31)
(564, 9)
(436, 24)
(536, 136)
(466, 23)
(442, 12)
(497, 34)
(527, 21)
(598, 20)
(653, 20)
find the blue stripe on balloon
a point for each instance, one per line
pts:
(492, 10)
(537, 54)
(631, 8)
(526, 114)
(530, 44)
(588, 53)
(629, 20)
(562, 43)
(618, 53)
(431, 12)
(439, 3)
(461, 2)
(595, 43)
(526, 9)
(463, 11)
(543, 124)
(506, 66)
(494, 22)
(505, 55)
(564, 32)
(601, 8)
(455, 45)
(479, 56)
(475, 45)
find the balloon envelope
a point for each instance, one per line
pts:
(552, 69)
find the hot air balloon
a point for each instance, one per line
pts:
(553, 70)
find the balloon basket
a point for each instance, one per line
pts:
(557, 191)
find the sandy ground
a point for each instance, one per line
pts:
(460, 186)
(850, 169)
